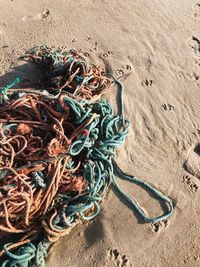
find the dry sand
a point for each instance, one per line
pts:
(159, 43)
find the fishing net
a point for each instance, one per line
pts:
(57, 149)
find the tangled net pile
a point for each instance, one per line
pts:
(67, 72)
(57, 150)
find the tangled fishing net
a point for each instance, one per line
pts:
(68, 72)
(57, 149)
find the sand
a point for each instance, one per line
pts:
(158, 43)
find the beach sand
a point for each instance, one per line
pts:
(158, 43)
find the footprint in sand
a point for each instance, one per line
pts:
(168, 107)
(194, 44)
(189, 181)
(94, 47)
(192, 164)
(125, 70)
(196, 13)
(106, 54)
(119, 72)
(149, 82)
(86, 54)
(127, 67)
(118, 259)
(38, 16)
(157, 227)
(89, 38)
(194, 76)
(191, 77)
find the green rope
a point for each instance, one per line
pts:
(134, 205)
(27, 255)
(3, 96)
(121, 88)
(16, 81)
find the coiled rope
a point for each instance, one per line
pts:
(57, 150)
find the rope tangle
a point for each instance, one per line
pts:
(57, 149)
